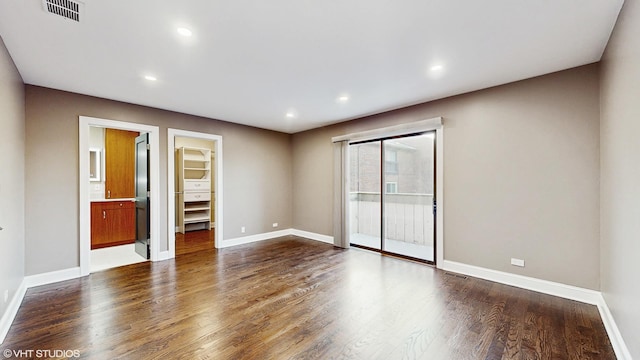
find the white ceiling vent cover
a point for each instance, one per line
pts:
(65, 8)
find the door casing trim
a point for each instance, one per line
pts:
(217, 185)
(85, 122)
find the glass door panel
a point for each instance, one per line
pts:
(409, 165)
(364, 195)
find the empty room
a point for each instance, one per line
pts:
(319, 180)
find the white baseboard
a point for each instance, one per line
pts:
(253, 238)
(275, 234)
(313, 236)
(163, 255)
(543, 286)
(29, 282)
(12, 310)
(551, 288)
(52, 277)
(619, 346)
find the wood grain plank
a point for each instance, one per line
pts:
(292, 298)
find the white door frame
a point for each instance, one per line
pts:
(171, 184)
(85, 123)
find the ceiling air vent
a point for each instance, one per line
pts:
(65, 8)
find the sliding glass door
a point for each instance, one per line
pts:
(365, 202)
(409, 165)
(392, 191)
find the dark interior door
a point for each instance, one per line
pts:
(142, 196)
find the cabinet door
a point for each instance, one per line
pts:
(119, 163)
(112, 224)
(123, 225)
(99, 230)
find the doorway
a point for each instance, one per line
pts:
(392, 201)
(194, 191)
(92, 187)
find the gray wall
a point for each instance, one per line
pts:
(521, 175)
(620, 175)
(257, 172)
(522, 169)
(12, 148)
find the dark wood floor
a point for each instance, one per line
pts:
(292, 298)
(194, 241)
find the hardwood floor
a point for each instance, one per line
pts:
(292, 298)
(194, 241)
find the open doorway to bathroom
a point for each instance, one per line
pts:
(119, 180)
(113, 178)
(194, 191)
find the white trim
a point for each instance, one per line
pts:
(171, 185)
(74, 273)
(27, 283)
(254, 238)
(543, 286)
(52, 277)
(12, 310)
(313, 236)
(617, 342)
(395, 130)
(85, 123)
(275, 234)
(588, 296)
(439, 196)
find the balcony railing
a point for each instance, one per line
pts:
(407, 217)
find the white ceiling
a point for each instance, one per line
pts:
(252, 61)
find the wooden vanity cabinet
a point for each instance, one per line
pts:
(120, 160)
(112, 223)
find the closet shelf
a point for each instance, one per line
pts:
(194, 188)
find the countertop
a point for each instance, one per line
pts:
(112, 200)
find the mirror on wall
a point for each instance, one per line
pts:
(94, 165)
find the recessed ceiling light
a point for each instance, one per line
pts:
(150, 78)
(291, 113)
(437, 67)
(184, 31)
(343, 99)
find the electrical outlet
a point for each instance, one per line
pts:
(6, 295)
(242, 230)
(517, 262)
(275, 225)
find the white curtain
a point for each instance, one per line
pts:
(341, 194)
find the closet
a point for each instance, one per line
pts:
(194, 189)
